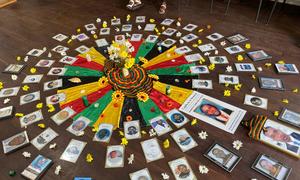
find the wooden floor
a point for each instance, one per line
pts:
(31, 24)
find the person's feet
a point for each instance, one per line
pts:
(134, 4)
(163, 7)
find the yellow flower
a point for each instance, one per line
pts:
(276, 113)
(281, 62)
(42, 126)
(166, 143)
(39, 106)
(25, 88)
(128, 17)
(268, 64)
(194, 122)
(142, 96)
(18, 58)
(89, 158)
(200, 30)
(227, 93)
(69, 41)
(199, 41)
(19, 114)
(240, 57)
(123, 54)
(253, 76)
(103, 81)
(286, 101)
(153, 76)
(211, 67)
(238, 87)
(144, 60)
(121, 133)
(124, 141)
(51, 108)
(78, 30)
(129, 63)
(295, 90)
(248, 46)
(152, 20)
(117, 96)
(33, 70)
(195, 45)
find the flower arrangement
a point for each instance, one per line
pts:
(142, 96)
(119, 52)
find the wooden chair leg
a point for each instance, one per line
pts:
(273, 9)
(211, 6)
(227, 7)
(258, 10)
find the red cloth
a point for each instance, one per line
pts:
(82, 62)
(164, 103)
(136, 45)
(78, 105)
(171, 63)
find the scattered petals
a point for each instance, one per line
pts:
(203, 135)
(151, 20)
(52, 146)
(276, 113)
(89, 158)
(253, 90)
(229, 69)
(199, 41)
(166, 143)
(19, 58)
(165, 176)
(121, 133)
(226, 84)
(144, 132)
(25, 88)
(238, 87)
(240, 57)
(223, 43)
(51, 108)
(42, 125)
(19, 114)
(286, 101)
(268, 65)
(39, 106)
(57, 170)
(130, 159)
(128, 17)
(124, 141)
(26, 154)
(212, 67)
(7, 100)
(32, 70)
(227, 93)
(139, 27)
(216, 52)
(194, 122)
(14, 77)
(207, 54)
(178, 34)
(260, 69)
(26, 58)
(248, 46)
(152, 133)
(200, 30)
(237, 144)
(203, 169)
(181, 41)
(281, 62)
(253, 76)
(295, 90)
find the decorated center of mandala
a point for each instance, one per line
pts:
(132, 82)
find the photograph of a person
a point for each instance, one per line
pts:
(271, 168)
(287, 68)
(181, 169)
(290, 117)
(271, 83)
(223, 157)
(281, 137)
(214, 111)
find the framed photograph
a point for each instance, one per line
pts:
(218, 60)
(201, 69)
(160, 125)
(63, 115)
(237, 38)
(33, 79)
(256, 101)
(177, 118)
(31, 97)
(271, 83)
(230, 79)
(8, 92)
(15, 142)
(115, 22)
(149, 27)
(245, 67)
(190, 27)
(31, 118)
(183, 50)
(69, 59)
(36, 168)
(115, 156)
(60, 49)
(152, 150)
(223, 157)
(82, 49)
(140, 19)
(56, 98)
(73, 151)
(57, 71)
(214, 37)
(60, 37)
(82, 37)
(168, 42)
(14, 68)
(44, 138)
(82, 178)
(101, 42)
(104, 31)
(169, 32)
(207, 47)
(213, 111)
(286, 68)
(53, 84)
(126, 27)
(258, 55)
(45, 63)
(202, 84)
(184, 140)
(136, 37)
(35, 52)
(234, 49)
(6, 112)
(141, 174)
(132, 129)
(104, 133)
(90, 27)
(271, 168)
(281, 137)
(290, 117)
(189, 37)
(167, 22)
(78, 125)
(151, 38)
(193, 57)
(181, 169)
(120, 38)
